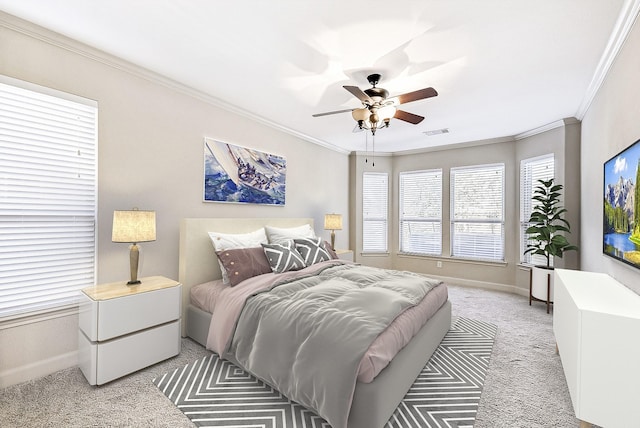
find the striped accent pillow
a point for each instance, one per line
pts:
(283, 257)
(312, 250)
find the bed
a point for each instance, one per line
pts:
(373, 403)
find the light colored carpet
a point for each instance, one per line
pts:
(525, 385)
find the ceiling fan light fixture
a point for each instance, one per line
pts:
(360, 114)
(386, 112)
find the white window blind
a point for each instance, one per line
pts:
(477, 212)
(375, 208)
(532, 170)
(47, 197)
(421, 212)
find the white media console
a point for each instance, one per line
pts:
(596, 322)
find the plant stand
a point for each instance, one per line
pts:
(540, 284)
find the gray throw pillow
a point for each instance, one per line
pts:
(283, 257)
(312, 250)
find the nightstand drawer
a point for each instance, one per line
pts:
(128, 354)
(122, 315)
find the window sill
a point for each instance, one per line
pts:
(455, 259)
(18, 320)
(385, 254)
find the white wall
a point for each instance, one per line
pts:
(150, 155)
(610, 125)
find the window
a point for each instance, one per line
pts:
(477, 212)
(421, 212)
(375, 197)
(47, 197)
(532, 170)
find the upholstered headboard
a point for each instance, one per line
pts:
(198, 262)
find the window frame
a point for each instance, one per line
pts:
(407, 248)
(500, 251)
(56, 132)
(527, 203)
(381, 216)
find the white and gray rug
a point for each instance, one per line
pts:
(214, 392)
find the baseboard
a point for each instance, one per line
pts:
(38, 369)
(507, 288)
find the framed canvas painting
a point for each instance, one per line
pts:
(242, 175)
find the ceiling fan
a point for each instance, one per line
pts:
(378, 109)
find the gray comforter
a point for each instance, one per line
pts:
(306, 337)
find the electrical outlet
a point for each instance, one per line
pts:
(439, 264)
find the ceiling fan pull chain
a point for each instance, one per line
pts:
(366, 147)
(373, 162)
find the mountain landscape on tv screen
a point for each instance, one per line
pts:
(620, 197)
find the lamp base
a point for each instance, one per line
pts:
(134, 255)
(333, 240)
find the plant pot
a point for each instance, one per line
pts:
(541, 285)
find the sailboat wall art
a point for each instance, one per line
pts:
(241, 175)
(621, 217)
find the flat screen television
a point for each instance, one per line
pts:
(621, 219)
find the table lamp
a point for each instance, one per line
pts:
(333, 222)
(132, 227)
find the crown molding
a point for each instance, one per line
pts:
(540, 130)
(619, 34)
(548, 127)
(56, 39)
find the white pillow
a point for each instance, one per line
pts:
(279, 235)
(230, 241)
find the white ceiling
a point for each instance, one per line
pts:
(501, 67)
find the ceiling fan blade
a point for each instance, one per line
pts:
(357, 92)
(331, 112)
(420, 94)
(408, 117)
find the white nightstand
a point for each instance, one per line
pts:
(345, 254)
(126, 328)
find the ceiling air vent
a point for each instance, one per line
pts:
(436, 132)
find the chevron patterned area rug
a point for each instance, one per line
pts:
(215, 393)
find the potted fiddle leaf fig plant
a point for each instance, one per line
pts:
(545, 237)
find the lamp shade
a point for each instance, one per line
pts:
(333, 222)
(134, 226)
